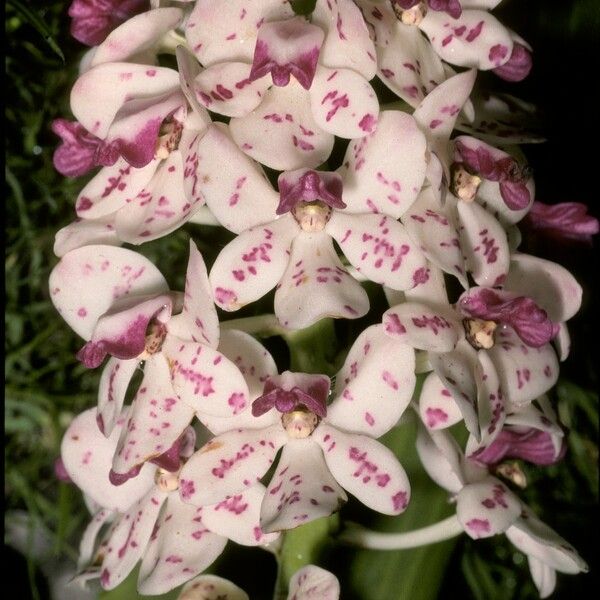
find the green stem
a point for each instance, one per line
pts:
(313, 349)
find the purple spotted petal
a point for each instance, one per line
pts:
(518, 65)
(379, 247)
(549, 284)
(89, 281)
(374, 179)
(375, 384)
(78, 150)
(198, 321)
(122, 331)
(301, 490)
(530, 322)
(343, 103)
(238, 517)
(407, 63)
(253, 263)
(525, 372)
(537, 540)
(235, 187)
(486, 508)
(181, 546)
(284, 120)
(433, 226)
(476, 39)
(365, 468)
(204, 379)
(139, 35)
(111, 391)
(456, 371)
(229, 464)
(316, 285)
(211, 587)
(485, 244)
(122, 84)
(285, 48)
(112, 188)
(437, 407)
(227, 89)
(347, 42)
(423, 327)
(85, 233)
(87, 457)
(156, 419)
(126, 541)
(314, 582)
(93, 20)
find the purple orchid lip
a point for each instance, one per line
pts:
(530, 322)
(510, 176)
(533, 445)
(310, 392)
(286, 48)
(518, 65)
(566, 221)
(307, 185)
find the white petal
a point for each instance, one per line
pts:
(156, 419)
(550, 285)
(114, 382)
(233, 27)
(301, 490)
(433, 227)
(118, 82)
(316, 285)
(235, 187)
(204, 379)
(365, 468)
(543, 576)
(128, 538)
(84, 233)
(211, 587)
(198, 321)
(238, 517)
(384, 171)
(343, 103)
(283, 120)
(437, 407)
(525, 372)
(484, 243)
(375, 384)
(423, 327)
(229, 463)
(253, 263)
(226, 89)
(347, 44)
(313, 583)
(486, 508)
(88, 281)
(181, 546)
(476, 39)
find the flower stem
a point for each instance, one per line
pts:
(365, 538)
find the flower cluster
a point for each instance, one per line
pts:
(216, 444)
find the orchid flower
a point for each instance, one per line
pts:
(308, 583)
(286, 238)
(286, 82)
(484, 366)
(461, 33)
(174, 541)
(119, 302)
(326, 449)
(486, 507)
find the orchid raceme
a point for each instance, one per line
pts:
(255, 130)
